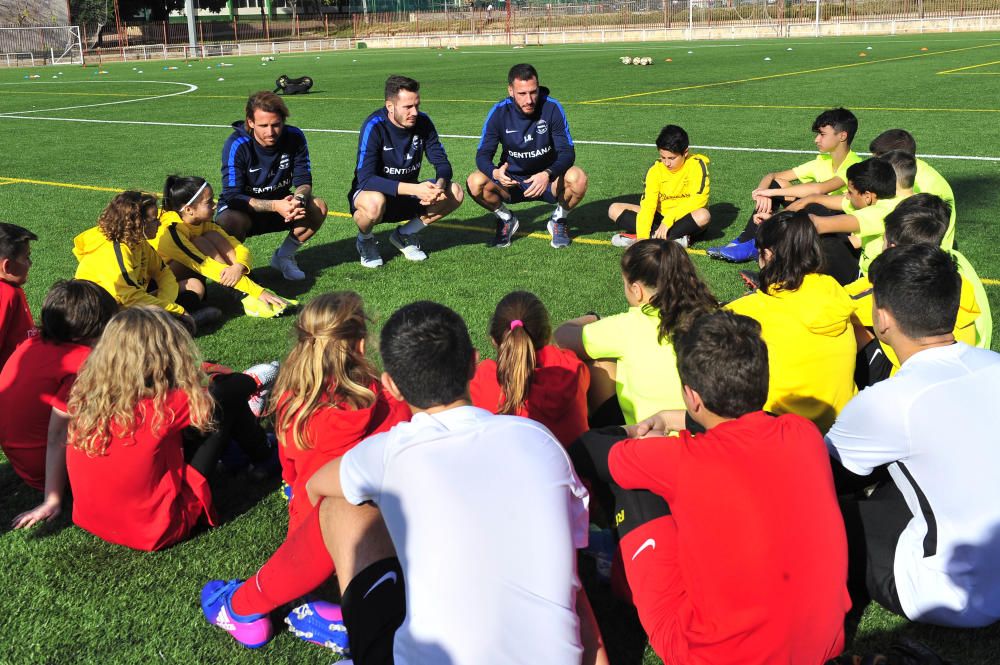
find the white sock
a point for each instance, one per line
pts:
(503, 213)
(290, 245)
(415, 225)
(559, 212)
(366, 236)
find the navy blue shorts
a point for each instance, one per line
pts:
(261, 222)
(397, 208)
(517, 191)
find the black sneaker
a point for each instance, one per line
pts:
(505, 232)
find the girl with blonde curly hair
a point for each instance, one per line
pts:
(116, 254)
(135, 464)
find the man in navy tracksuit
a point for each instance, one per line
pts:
(536, 161)
(262, 161)
(387, 185)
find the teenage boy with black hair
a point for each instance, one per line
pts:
(674, 203)
(927, 180)
(921, 219)
(16, 322)
(722, 568)
(392, 144)
(924, 544)
(827, 174)
(442, 483)
(871, 195)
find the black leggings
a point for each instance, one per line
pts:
(234, 421)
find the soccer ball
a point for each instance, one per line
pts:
(626, 60)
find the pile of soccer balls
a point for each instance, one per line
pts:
(642, 62)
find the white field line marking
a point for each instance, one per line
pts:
(188, 87)
(618, 144)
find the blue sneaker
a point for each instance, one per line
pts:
(320, 622)
(251, 631)
(560, 236)
(739, 252)
(716, 252)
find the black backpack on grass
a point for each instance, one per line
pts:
(290, 86)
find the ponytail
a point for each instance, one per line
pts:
(520, 326)
(180, 191)
(679, 295)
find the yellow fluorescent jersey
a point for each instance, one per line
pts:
(821, 169)
(672, 194)
(871, 221)
(174, 242)
(810, 347)
(646, 379)
(929, 181)
(133, 275)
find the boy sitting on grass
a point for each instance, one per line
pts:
(827, 174)
(16, 322)
(673, 205)
(722, 568)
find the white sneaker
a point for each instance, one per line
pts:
(623, 240)
(264, 374)
(287, 266)
(683, 241)
(408, 245)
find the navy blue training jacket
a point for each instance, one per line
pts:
(389, 155)
(531, 144)
(249, 170)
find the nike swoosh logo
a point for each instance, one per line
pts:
(388, 577)
(510, 131)
(874, 356)
(388, 147)
(650, 543)
(254, 170)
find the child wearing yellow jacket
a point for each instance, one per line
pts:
(116, 255)
(674, 203)
(194, 247)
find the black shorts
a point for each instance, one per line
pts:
(874, 525)
(872, 365)
(516, 192)
(626, 222)
(261, 223)
(374, 606)
(397, 208)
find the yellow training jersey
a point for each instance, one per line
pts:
(133, 275)
(810, 347)
(871, 223)
(929, 181)
(821, 169)
(174, 242)
(672, 194)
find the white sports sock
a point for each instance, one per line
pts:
(503, 213)
(559, 212)
(415, 225)
(290, 245)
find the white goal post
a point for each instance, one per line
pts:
(52, 45)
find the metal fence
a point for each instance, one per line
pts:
(519, 17)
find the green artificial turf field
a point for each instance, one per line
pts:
(75, 135)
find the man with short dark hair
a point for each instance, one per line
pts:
(536, 159)
(925, 543)
(387, 186)
(262, 161)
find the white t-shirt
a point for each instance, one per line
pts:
(486, 513)
(937, 424)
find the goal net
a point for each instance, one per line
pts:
(52, 45)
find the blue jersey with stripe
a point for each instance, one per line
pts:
(389, 155)
(249, 170)
(531, 144)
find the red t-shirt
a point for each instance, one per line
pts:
(16, 323)
(333, 429)
(760, 540)
(557, 396)
(37, 379)
(140, 493)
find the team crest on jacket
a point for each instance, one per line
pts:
(283, 164)
(542, 127)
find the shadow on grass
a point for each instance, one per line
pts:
(19, 498)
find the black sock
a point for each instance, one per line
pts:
(685, 226)
(189, 300)
(749, 231)
(374, 606)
